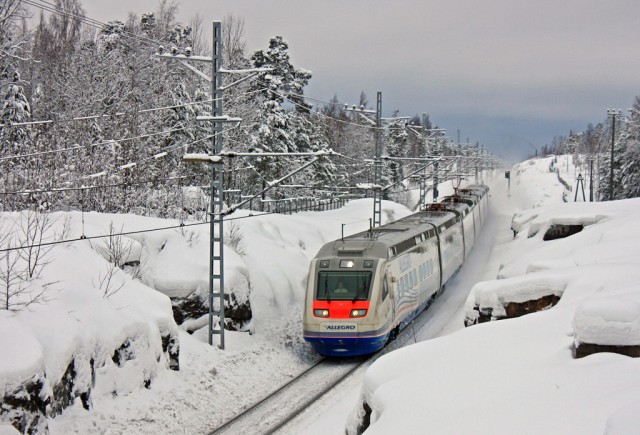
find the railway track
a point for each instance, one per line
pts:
(284, 404)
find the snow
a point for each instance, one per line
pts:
(267, 260)
(202, 157)
(26, 350)
(75, 322)
(609, 321)
(520, 375)
(508, 376)
(495, 295)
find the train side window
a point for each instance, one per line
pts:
(415, 277)
(385, 288)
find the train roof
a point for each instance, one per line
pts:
(398, 236)
(392, 238)
(459, 204)
(479, 189)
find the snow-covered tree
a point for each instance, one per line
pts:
(630, 171)
(397, 138)
(15, 109)
(619, 151)
(275, 130)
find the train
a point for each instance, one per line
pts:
(363, 289)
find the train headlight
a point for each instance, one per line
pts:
(358, 313)
(321, 313)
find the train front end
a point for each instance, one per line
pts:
(341, 317)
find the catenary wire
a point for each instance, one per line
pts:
(50, 7)
(148, 230)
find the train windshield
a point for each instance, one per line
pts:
(340, 285)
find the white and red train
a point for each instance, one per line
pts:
(363, 289)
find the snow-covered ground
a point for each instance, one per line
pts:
(520, 375)
(81, 317)
(509, 376)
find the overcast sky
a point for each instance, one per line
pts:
(510, 74)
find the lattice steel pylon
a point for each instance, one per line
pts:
(215, 160)
(436, 153)
(216, 227)
(377, 166)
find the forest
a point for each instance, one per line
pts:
(93, 119)
(592, 149)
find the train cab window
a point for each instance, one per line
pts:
(343, 285)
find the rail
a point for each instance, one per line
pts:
(281, 406)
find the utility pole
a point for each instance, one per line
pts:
(613, 113)
(377, 166)
(477, 160)
(460, 164)
(217, 194)
(423, 178)
(482, 168)
(377, 160)
(591, 179)
(216, 242)
(436, 154)
(430, 142)
(216, 162)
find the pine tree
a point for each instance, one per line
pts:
(335, 125)
(275, 130)
(630, 171)
(397, 137)
(15, 107)
(619, 151)
(14, 104)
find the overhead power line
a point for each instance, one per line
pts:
(107, 172)
(92, 145)
(147, 230)
(51, 7)
(322, 115)
(104, 116)
(93, 187)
